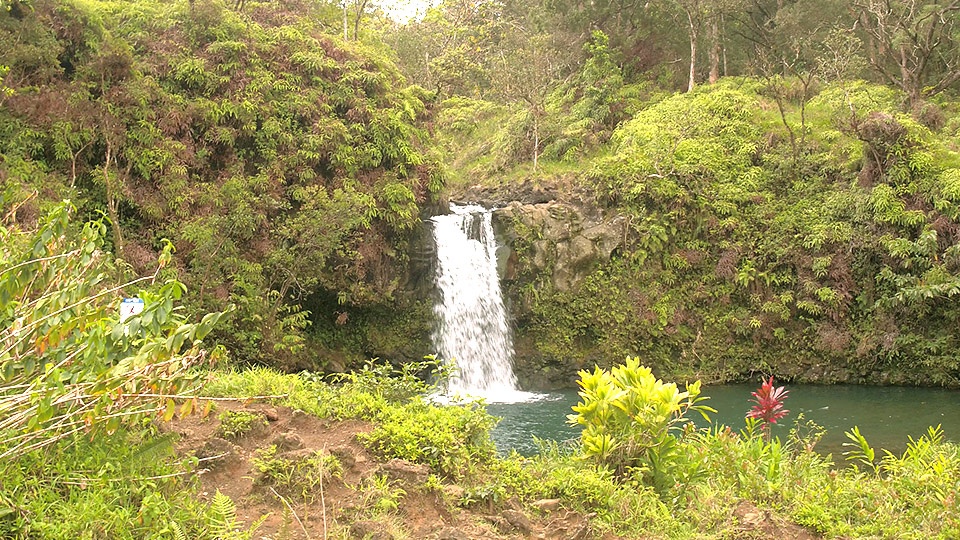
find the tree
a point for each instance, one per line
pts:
(451, 49)
(694, 13)
(359, 8)
(792, 49)
(352, 10)
(620, 18)
(718, 12)
(705, 17)
(530, 64)
(913, 44)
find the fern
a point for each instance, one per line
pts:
(178, 533)
(155, 449)
(314, 63)
(950, 185)
(223, 516)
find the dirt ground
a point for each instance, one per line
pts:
(349, 504)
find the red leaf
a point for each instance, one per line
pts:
(769, 403)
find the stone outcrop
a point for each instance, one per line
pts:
(550, 246)
(555, 239)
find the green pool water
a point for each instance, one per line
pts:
(886, 416)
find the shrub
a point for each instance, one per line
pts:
(128, 485)
(625, 508)
(768, 406)
(301, 476)
(235, 424)
(366, 392)
(452, 440)
(629, 416)
(68, 362)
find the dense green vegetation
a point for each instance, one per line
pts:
(825, 253)
(287, 165)
(81, 456)
(796, 211)
(797, 215)
(690, 488)
(127, 485)
(640, 469)
(681, 482)
(773, 226)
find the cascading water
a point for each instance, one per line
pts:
(473, 330)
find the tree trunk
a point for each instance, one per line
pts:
(693, 61)
(113, 205)
(714, 49)
(73, 163)
(693, 51)
(346, 23)
(911, 84)
(723, 46)
(73, 170)
(361, 5)
(536, 140)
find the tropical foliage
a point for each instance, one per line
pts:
(629, 416)
(80, 386)
(287, 165)
(69, 363)
(792, 216)
(826, 259)
(768, 404)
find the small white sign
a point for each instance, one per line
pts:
(130, 307)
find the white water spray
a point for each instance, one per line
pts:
(473, 330)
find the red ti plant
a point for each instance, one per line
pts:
(769, 404)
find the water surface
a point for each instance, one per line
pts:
(886, 416)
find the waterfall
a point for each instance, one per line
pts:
(472, 321)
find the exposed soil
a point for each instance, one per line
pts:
(756, 523)
(342, 506)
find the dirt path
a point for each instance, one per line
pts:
(366, 498)
(350, 504)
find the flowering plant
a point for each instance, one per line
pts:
(768, 401)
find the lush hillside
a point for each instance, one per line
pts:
(799, 223)
(259, 181)
(785, 173)
(287, 166)
(815, 238)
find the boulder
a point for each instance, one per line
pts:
(218, 452)
(399, 469)
(518, 521)
(288, 441)
(348, 456)
(369, 530)
(547, 505)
